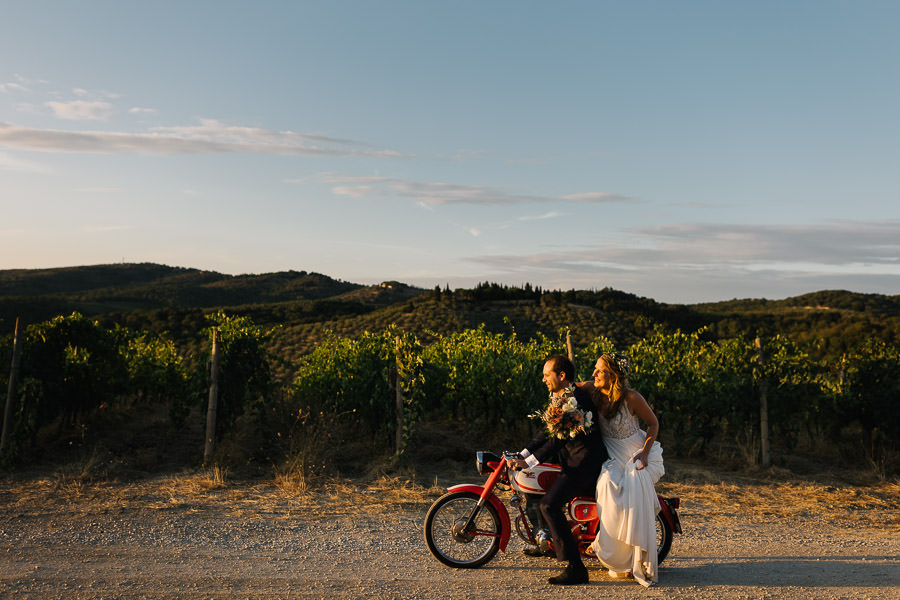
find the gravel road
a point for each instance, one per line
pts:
(247, 545)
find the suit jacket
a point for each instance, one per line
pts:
(584, 451)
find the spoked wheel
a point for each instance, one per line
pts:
(448, 539)
(663, 537)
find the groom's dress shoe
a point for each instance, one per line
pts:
(571, 576)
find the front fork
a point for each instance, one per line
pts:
(486, 493)
(516, 501)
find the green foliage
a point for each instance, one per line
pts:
(352, 385)
(870, 394)
(348, 376)
(158, 373)
(473, 376)
(796, 398)
(244, 371)
(470, 357)
(676, 372)
(586, 358)
(75, 363)
(486, 379)
(71, 367)
(703, 388)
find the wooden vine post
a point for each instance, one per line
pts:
(213, 401)
(763, 408)
(398, 400)
(569, 348)
(11, 390)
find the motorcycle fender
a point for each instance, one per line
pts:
(495, 502)
(667, 512)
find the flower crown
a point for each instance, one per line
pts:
(622, 363)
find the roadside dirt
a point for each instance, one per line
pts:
(197, 536)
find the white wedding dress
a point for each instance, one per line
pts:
(626, 501)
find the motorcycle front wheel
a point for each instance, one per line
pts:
(451, 542)
(663, 537)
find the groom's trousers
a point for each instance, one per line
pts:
(567, 485)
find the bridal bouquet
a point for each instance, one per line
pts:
(562, 417)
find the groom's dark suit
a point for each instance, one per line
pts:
(581, 459)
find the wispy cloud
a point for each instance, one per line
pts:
(21, 85)
(686, 246)
(549, 215)
(434, 193)
(81, 110)
(837, 243)
(10, 87)
(354, 191)
(83, 93)
(594, 198)
(140, 110)
(209, 137)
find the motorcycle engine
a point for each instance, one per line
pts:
(542, 538)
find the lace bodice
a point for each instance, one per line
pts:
(622, 425)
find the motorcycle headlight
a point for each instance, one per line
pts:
(486, 462)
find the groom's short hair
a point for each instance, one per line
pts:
(562, 364)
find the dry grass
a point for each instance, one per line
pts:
(763, 495)
(705, 494)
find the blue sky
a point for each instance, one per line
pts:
(686, 151)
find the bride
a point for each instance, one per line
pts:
(626, 499)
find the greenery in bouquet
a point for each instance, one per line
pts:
(562, 418)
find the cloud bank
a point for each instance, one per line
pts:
(436, 193)
(81, 110)
(209, 137)
(700, 262)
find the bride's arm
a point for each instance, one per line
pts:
(639, 407)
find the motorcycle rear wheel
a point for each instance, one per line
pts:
(452, 545)
(663, 537)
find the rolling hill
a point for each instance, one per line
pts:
(305, 306)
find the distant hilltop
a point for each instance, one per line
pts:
(124, 287)
(306, 306)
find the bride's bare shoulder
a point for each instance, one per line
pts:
(633, 399)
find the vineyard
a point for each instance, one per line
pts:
(382, 392)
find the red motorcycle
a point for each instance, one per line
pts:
(466, 526)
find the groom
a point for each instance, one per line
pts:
(581, 458)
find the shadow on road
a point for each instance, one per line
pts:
(806, 571)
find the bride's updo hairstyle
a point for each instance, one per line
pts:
(619, 366)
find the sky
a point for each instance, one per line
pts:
(685, 151)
